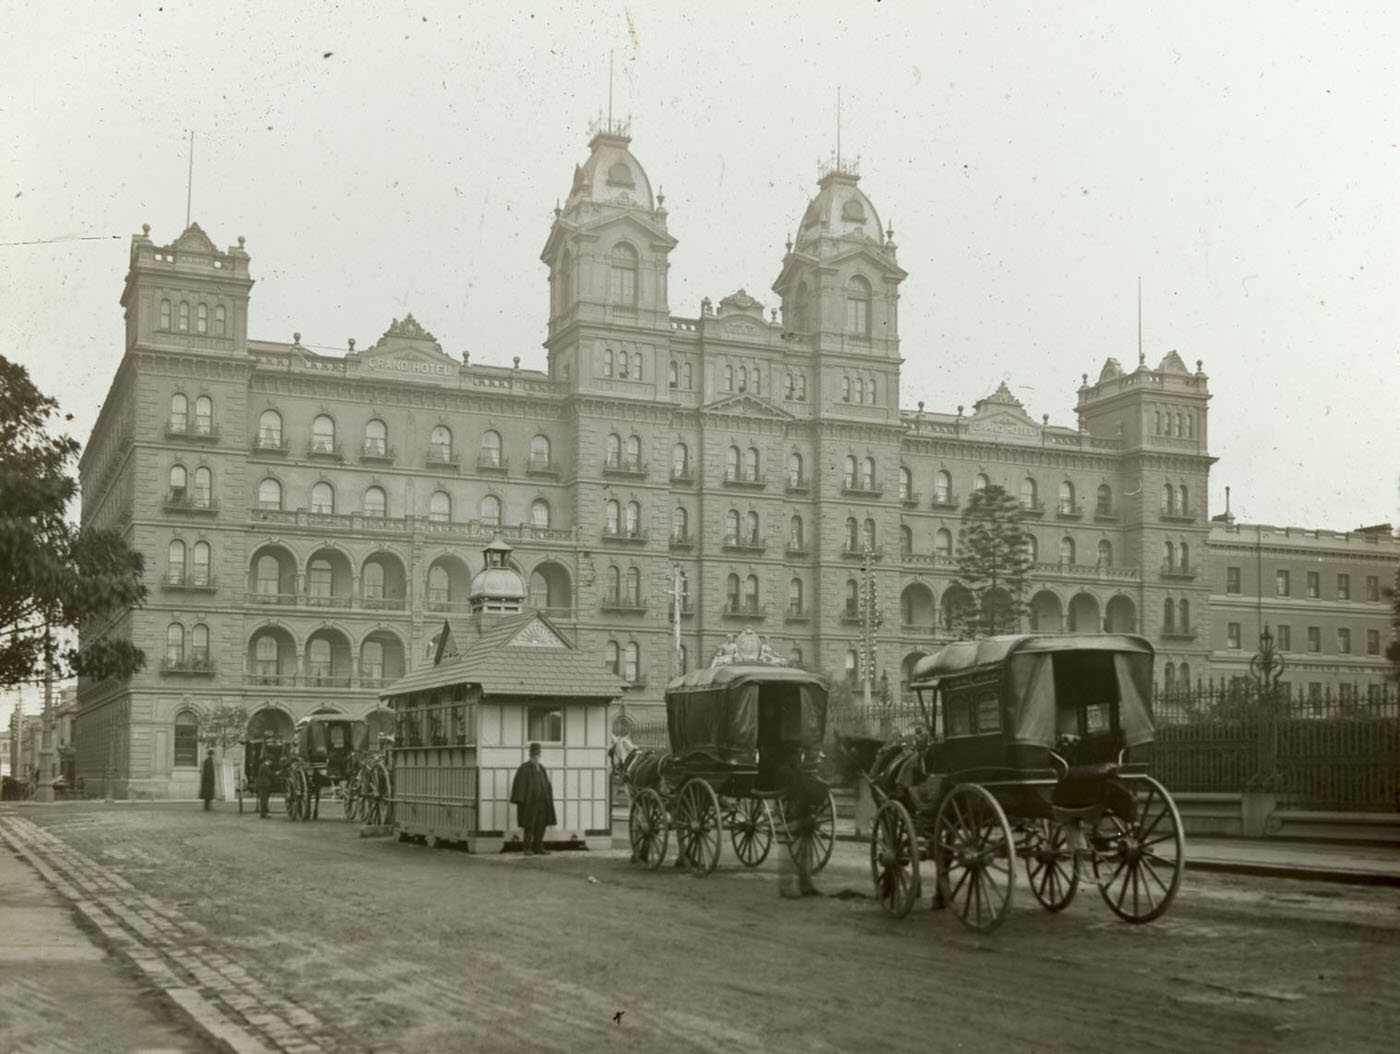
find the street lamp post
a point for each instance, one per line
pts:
(44, 791)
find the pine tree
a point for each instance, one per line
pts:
(994, 563)
(53, 576)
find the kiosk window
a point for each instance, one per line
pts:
(545, 724)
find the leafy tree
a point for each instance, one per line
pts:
(224, 725)
(994, 563)
(53, 576)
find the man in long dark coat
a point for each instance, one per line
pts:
(533, 797)
(206, 779)
(262, 782)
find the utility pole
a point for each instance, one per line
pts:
(677, 603)
(44, 792)
(869, 617)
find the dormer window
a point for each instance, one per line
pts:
(622, 274)
(184, 317)
(201, 318)
(853, 211)
(858, 307)
(220, 320)
(619, 175)
(165, 314)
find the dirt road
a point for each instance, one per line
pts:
(342, 943)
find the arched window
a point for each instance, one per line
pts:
(801, 388)
(1181, 509)
(731, 526)
(622, 275)
(852, 667)
(633, 460)
(612, 450)
(870, 390)
(789, 388)
(1190, 428)
(179, 413)
(440, 444)
(728, 377)
(490, 511)
(440, 507)
(179, 478)
(174, 644)
(1156, 422)
(794, 469)
(943, 542)
(267, 576)
(491, 449)
(867, 534)
(1167, 424)
(680, 524)
(1168, 677)
(165, 314)
(942, 488)
(318, 660)
(1067, 497)
(219, 320)
(849, 475)
(204, 416)
(732, 463)
(372, 661)
(183, 317)
(634, 519)
(867, 474)
(565, 285)
(845, 389)
(1103, 505)
(175, 558)
(631, 662)
(1183, 675)
(1028, 493)
(852, 535)
(1168, 615)
(673, 375)
(199, 564)
(757, 381)
(320, 582)
(372, 581)
(539, 513)
(322, 498)
(858, 307)
(611, 659)
(636, 365)
(751, 464)
(376, 438)
(1105, 553)
(1067, 550)
(270, 429)
(1168, 556)
(795, 534)
(608, 362)
(439, 585)
(980, 482)
(906, 539)
(751, 594)
(743, 378)
(795, 657)
(751, 528)
(1168, 500)
(852, 597)
(795, 597)
(1032, 548)
(376, 506)
(731, 592)
(269, 494)
(1179, 431)
(1183, 557)
(1183, 615)
(322, 435)
(686, 376)
(199, 644)
(860, 390)
(201, 318)
(799, 320)
(680, 461)
(634, 586)
(612, 516)
(906, 483)
(187, 738)
(540, 452)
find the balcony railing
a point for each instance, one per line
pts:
(909, 499)
(747, 543)
(1176, 517)
(682, 475)
(856, 488)
(190, 665)
(383, 603)
(441, 456)
(328, 600)
(200, 430)
(492, 461)
(945, 501)
(624, 465)
(798, 486)
(682, 541)
(744, 477)
(1067, 510)
(850, 552)
(271, 677)
(540, 466)
(797, 613)
(272, 599)
(270, 443)
(189, 581)
(1032, 506)
(442, 603)
(1178, 633)
(744, 609)
(327, 680)
(181, 499)
(797, 550)
(625, 535)
(623, 605)
(1180, 574)
(376, 450)
(324, 448)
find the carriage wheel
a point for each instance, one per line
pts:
(975, 857)
(648, 829)
(698, 827)
(751, 831)
(1050, 864)
(894, 859)
(378, 797)
(350, 796)
(1139, 858)
(298, 806)
(811, 843)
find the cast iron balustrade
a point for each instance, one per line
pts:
(746, 543)
(744, 477)
(192, 665)
(1184, 574)
(798, 486)
(440, 455)
(627, 465)
(539, 465)
(797, 550)
(377, 451)
(745, 609)
(183, 499)
(270, 443)
(681, 540)
(324, 448)
(382, 603)
(623, 605)
(625, 535)
(492, 461)
(328, 600)
(1067, 510)
(273, 599)
(1034, 507)
(910, 500)
(200, 431)
(855, 488)
(682, 475)
(858, 553)
(797, 613)
(948, 501)
(189, 581)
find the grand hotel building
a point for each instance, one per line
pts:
(308, 520)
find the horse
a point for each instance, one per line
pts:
(636, 768)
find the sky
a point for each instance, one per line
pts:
(1035, 161)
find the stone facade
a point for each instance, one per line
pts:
(308, 519)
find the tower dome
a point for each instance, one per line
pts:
(839, 213)
(611, 175)
(497, 588)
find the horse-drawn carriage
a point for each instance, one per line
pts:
(268, 745)
(324, 753)
(743, 734)
(1037, 747)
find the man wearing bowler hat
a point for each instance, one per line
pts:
(533, 798)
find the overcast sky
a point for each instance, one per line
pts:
(1243, 159)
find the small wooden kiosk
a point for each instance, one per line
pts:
(501, 678)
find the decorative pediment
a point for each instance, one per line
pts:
(1000, 400)
(1173, 364)
(1001, 416)
(741, 327)
(406, 351)
(745, 405)
(194, 240)
(408, 329)
(1111, 369)
(740, 301)
(536, 634)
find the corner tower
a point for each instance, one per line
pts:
(608, 255)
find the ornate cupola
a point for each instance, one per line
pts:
(497, 589)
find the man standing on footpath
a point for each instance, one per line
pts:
(206, 779)
(533, 797)
(262, 782)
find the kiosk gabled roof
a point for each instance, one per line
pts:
(523, 655)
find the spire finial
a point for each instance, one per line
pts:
(1142, 358)
(838, 128)
(610, 89)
